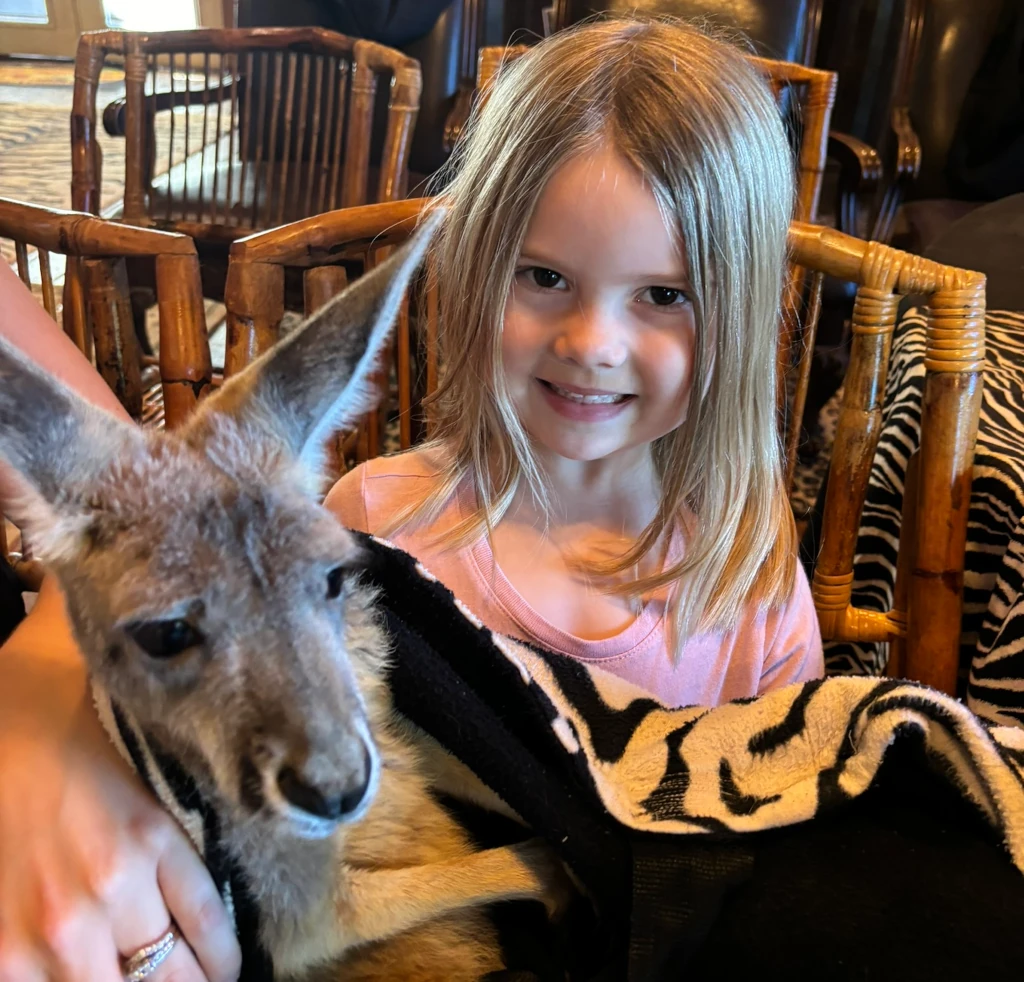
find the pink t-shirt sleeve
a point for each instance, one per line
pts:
(347, 500)
(795, 654)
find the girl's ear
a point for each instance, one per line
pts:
(319, 378)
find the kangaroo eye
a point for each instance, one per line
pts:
(335, 582)
(164, 639)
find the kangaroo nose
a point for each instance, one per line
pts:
(321, 802)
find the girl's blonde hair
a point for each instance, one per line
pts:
(701, 126)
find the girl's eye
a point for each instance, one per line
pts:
(663, 296)
(546, 279)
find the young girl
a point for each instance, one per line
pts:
(606, 479)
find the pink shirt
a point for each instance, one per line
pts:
(768, 649)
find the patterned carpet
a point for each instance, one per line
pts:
(49, 73)
(35, 141)
(35, 145)
(35, 151)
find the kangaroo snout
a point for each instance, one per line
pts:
(335, 800)
(315, 786)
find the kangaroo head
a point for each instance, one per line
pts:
(209, 592)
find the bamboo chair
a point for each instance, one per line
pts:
(287, 116)
(269, 125)
(96, 313)
(923, 626)
(813, 91)
(256, 300)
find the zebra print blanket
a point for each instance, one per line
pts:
(633, 794)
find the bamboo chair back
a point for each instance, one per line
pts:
(96, 311)
(317, 247)
(264, 125)
(923, 626)
(812, 91)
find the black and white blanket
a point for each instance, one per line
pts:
(850, 827)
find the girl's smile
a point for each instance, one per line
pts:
(582, 404)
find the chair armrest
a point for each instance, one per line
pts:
(114, 114)
(908, 166)
(859, 163)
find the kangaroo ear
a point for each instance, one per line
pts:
(318, 378)
(56, 443)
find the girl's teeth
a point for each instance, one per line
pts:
(586, 400)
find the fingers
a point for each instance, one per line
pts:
(75, 946)
(198, 910)
(83, 949)
(18, 965)
(179, 966)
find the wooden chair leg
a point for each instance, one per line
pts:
(76, 322)
(954, 362)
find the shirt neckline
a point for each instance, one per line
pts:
(538, 627)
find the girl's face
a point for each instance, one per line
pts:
(599, 330)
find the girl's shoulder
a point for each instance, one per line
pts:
(383, 485)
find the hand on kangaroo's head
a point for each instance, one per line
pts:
(208, 596)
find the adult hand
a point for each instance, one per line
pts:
(91, 868)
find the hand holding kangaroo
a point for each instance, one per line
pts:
(220, 605)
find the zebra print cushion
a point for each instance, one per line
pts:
(992, 653)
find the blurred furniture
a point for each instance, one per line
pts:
(954, 38)
(873, 46)
(267, 126)
(912, 64)
(907, 67)
(322, 250)
(786, 30)
(96, 313)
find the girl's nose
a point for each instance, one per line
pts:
(591, 339)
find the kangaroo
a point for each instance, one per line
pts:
(220, 604)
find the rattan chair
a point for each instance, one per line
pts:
(923, 627)
(96, 312)
(287, 116)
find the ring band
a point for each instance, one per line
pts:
(147, 960)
